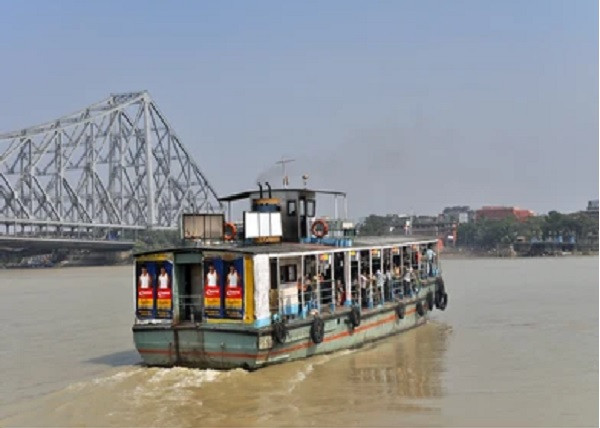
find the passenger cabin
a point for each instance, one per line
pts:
(282, 262)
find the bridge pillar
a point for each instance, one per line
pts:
(149, 163)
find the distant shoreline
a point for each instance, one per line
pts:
(460, 254)
(446, 254)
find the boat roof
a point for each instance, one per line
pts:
(360, 243)
(248, 193)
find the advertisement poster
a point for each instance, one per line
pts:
(234, 289)
(164, 290)
(213, 284)
(154, 289)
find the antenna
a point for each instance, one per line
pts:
(283, 162)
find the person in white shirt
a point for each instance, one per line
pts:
(380, 282)
(389, 294)
(408, 276)
(212, 277)
(363, 288)
(163, 279)
(430, 255)
(233, 278)
(145, 280)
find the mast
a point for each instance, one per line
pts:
(283, 162)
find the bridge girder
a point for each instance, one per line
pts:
(117, 164)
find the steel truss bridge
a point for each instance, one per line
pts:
(97, 176)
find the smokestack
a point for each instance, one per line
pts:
(261, 189)
(269, 187)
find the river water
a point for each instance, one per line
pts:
(517, 346)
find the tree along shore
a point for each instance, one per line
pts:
(578, 231)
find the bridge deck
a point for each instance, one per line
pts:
(14, 243)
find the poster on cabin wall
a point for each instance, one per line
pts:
(145, 274)
(213, 285)
(234, 289)
(164, 290)
(154, 288)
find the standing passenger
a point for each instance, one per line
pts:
(380, 281)
(363, 288)
(388, 283)
(340, 292)
(430, 255)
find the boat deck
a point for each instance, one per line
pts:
(360, 243)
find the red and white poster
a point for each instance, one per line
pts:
(213, 282)
(145, 302)
(234, 292)
(164, 302)
(212, 300)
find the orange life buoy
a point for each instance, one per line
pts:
(229, 231)
(319, 228)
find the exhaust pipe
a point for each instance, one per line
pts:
(269, 187)
(261, 189)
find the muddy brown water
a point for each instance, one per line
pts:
(517, 346)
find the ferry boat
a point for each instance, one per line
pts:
(282, 285)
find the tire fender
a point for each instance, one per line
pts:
(317, 330)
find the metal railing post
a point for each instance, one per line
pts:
(333, 288)
(302, 299)
(318, 283)
(370, 300)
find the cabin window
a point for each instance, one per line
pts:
(291, 208)
(273, 273)
(310, 208)
(288, 273)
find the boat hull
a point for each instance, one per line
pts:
(233, 346)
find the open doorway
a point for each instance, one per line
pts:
(190, 289)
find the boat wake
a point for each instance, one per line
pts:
(150, 396)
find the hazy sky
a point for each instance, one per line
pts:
(407, 105)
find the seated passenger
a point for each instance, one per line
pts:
(340, 293)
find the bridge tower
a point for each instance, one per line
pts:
(116, 165)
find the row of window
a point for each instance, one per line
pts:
(306, 208)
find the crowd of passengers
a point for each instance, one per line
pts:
(394, 282)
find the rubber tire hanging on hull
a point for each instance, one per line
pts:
(420, 308)
(430, 301)
(439, 281)
(401, 311)
(317, 330)
(441, 297)
(442, 301)
(354, 316)
(280, 332)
